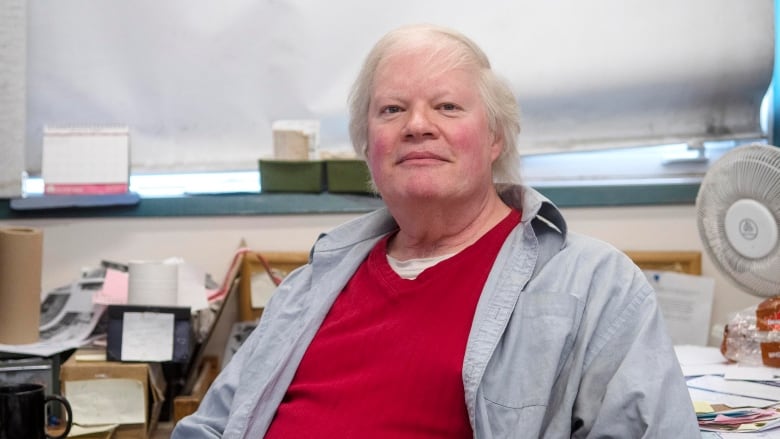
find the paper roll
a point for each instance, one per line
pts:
(152, 283)
(21, 251)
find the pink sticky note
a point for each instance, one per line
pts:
(114, 291)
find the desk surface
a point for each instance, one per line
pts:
(163, 431)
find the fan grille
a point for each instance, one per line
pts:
(746, 172)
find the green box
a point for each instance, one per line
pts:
(292, 176)
(346, 175)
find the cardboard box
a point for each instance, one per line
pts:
(150, 376)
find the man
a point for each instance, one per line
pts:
(465, 308)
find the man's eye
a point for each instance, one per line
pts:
(390, 109)
(448, 107)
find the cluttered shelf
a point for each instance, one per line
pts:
(93, 346)
(142, 364)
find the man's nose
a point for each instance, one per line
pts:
(419, 124)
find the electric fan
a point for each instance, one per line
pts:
(738, 217)
(738, 207)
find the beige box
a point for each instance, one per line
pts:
(148, 374)
(295, 139)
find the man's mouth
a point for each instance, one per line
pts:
(420, 157)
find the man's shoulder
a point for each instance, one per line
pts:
(595, 272)
(588, 249)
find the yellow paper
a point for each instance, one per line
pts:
(702, 407)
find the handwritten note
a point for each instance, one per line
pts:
(147, 336)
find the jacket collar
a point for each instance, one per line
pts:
(534, 206)
(378, 223)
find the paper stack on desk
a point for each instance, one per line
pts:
(731, 400)
(747, 419)
(735, 406)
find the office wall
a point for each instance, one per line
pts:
(208, 243)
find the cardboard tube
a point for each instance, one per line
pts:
(21, 251)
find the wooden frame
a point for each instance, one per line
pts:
(281, 263)
(688, 262)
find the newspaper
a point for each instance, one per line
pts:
(68, 319)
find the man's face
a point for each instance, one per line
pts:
(428, 135)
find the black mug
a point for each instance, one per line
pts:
(23, 412)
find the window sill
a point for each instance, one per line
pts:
(564, 194)
(621, 193)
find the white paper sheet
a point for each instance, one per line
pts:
(107, 401)
(757, 373)
(690, 355)
(739, 388)
(191, 286)
(701, 360)
(262, 288)
(147, 336)
(686, 304)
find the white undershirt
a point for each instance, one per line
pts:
(412, 268)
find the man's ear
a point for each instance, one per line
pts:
(497, 147)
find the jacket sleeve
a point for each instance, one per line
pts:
(632, 386)
(211, 417)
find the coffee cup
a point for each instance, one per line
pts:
(23, 412)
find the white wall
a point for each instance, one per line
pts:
(208, 243)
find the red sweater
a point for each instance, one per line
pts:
(387, 360)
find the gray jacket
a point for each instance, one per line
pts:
(567, 339)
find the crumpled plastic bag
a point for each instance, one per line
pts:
(752, 336)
